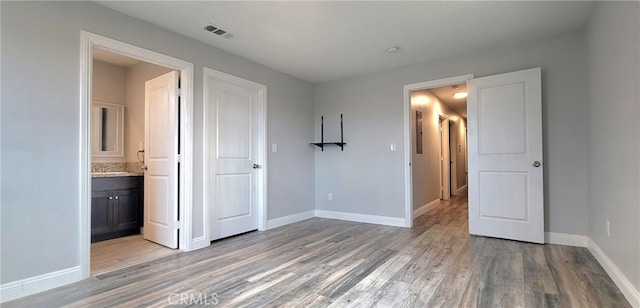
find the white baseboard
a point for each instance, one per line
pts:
(423, 209)
(372, 219)
(566, 239)
(281, 221)
(619, 278)
(461, 189)
(13, 290)
(626, 287)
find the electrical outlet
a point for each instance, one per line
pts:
(608, 228)
(274, 147)
(330, 196)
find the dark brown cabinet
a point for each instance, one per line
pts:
(116, 207)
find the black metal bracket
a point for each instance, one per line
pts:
(321, 144)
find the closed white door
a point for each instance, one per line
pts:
(232, 147)
(505, 156)
(161, 150)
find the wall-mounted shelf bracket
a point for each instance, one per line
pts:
(322, 144)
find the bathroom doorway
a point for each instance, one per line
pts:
(112, 179)
(119, 139)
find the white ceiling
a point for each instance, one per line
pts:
(445, 95)
(330, 40)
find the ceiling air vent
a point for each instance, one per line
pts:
(217, 31)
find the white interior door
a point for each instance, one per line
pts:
(161, 150)
(505, 155)
(233, 148)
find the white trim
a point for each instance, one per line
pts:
(619, 278)
(453, 170)
(372, 219)
(262, 146)
(423, 209)
(566, 239)
(461, 189)
(408, 183)
(87, 42)
(445, 167)
(262, 157)
(200, 242)
(13, 290)
(285, 220)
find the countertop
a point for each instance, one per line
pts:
(113, 174)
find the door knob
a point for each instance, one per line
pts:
(256, 166)
(536, 164)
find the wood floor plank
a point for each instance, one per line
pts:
(322, 262)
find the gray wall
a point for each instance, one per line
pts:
(426, 166)
(367, 178)
(614, 144)
(109, 85)
(41, 123)
(125, 86)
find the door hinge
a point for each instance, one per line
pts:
(179, 158)
(178, 92)
(178, 224)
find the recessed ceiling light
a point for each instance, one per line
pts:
(460, 95)
(392, 50)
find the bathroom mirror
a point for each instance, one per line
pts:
(107, 129)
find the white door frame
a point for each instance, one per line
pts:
(445, 152)
(407, 89)
(87, 42)
(453, 152)
(261, 173)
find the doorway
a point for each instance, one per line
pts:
(435, 165)
(119, 215)
(445, 160)
(429, 174)
(122, 186)
(505, 191)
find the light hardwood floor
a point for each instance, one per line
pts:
(126, 251)
(322, 262)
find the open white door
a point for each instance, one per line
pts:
(505, 155)
(233, 145)
(161, 150)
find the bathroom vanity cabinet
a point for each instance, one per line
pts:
(116, 207)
